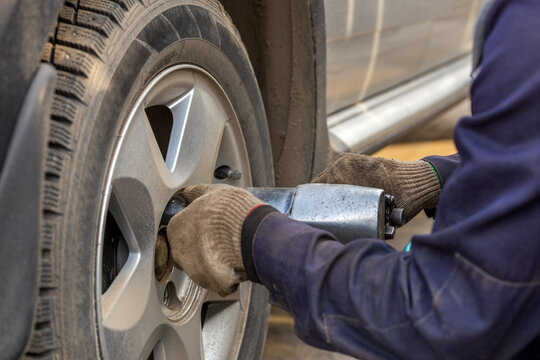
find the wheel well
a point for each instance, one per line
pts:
(286, 42)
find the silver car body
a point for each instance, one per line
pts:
(392, 64)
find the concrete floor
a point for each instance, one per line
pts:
(433, 138)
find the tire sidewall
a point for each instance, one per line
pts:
(228, 63)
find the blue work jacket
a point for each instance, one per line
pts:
(471, 288)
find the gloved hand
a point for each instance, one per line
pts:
(414, 184)
(205, 237)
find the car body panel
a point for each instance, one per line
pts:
(374, 45)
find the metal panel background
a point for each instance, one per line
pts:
(373, 45)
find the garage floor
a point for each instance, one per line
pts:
(431, 139)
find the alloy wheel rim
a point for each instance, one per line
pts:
(180, 129)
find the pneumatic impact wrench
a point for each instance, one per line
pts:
(349, 212)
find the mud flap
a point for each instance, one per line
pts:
(20, 214)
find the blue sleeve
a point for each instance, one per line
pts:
(444, 166)
(471, 288)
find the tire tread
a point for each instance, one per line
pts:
(110, 9)
(75, 45)
(75, 61)
(81, 38)
(71, 86)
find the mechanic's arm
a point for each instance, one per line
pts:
(471, 288)
(468, 290)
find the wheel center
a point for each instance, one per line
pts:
(162, 261)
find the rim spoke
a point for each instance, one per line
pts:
(220, 320)
(213, 297)
(141, 178)
(132, 319)
(180, 109)
(197, 153)
(130, 295)
(191, 335)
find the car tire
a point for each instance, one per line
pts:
(106, 54)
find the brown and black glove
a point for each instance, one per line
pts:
(205, 238)
(414, 184)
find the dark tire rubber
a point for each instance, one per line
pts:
(105, 53)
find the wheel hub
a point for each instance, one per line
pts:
(162, 260)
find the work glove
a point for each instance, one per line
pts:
(414, 184)
(205, 237)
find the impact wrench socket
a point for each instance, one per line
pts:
(347, 211)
